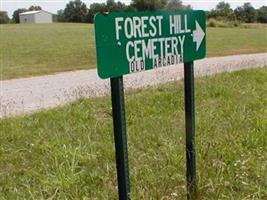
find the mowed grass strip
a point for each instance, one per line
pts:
(39, 49)
(234, 41)
(68, 153)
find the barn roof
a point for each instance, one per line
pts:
(33, 12)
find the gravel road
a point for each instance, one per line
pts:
(26, 95)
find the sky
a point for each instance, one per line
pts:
(55, 5)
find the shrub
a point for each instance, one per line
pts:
(212, 23)
(222, 24)
(218, 23)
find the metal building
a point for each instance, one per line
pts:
(35, 17)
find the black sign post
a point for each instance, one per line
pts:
(190, 130)
(138, 41)
(120, 137)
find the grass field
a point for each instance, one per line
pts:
(68, 152)
(28, 50)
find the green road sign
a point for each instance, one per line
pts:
(133, 42)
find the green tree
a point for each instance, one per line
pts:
(115, 6)
(16, 13)
(4, 19)
(176, 4)
(110, 5)
(262, 14)
(60, 16)
(32, 8)
(75, 11)
(211, 14)
(94, 8)
(142, 5)
(246, 13)
(223, 10)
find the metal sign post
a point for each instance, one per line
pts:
(120, 137)
(190, 130)
(133, 42)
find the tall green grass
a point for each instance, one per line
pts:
(68, 152)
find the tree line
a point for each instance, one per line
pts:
(245, 13)
(77, 11)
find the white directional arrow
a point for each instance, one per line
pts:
(198, 35)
